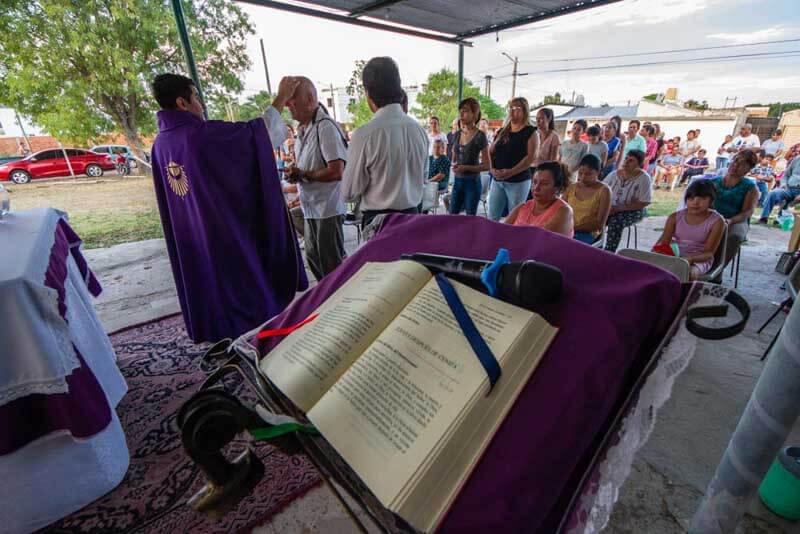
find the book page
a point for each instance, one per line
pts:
(389, 411)
(307, 363)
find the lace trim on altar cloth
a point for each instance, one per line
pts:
(593, 508)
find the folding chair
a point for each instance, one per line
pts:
(677, 266)
(353, 218)
(635, 237)
(486, 181)
(792, 288)
(714, 275)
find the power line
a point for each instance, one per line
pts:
(762, 55)
(782, 41)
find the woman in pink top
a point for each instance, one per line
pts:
(549, 140)
(546, 210)
(697, 230)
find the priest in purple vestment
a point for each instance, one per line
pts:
(233, 251)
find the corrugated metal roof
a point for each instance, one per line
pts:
(452, 20)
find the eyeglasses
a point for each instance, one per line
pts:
(514, 108)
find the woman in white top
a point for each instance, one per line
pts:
(435, 134)
(631, 193)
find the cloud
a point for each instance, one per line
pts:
(766, 34)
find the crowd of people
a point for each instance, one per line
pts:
(589, 186)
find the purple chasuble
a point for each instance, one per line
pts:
(233, 250)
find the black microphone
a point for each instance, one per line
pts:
(524, 283)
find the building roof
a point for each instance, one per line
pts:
(444, 20)
(605, 112)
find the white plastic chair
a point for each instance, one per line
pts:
(677, 266)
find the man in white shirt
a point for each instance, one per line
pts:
(320, 153)
(435, 134)
(746, 139)
(388, 156)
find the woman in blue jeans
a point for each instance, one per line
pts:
(513, 151)
(470, 158)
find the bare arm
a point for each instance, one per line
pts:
(669, 231)
(330, 173)
(747, 207)
(635, 205)
(524, 163)
(561, 223)
(512, 217)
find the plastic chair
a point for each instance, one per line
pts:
(353, 218)
(635, 237)
(486, 181)
(677, 266)
(430, 196)
(714, 275)
(792, 288)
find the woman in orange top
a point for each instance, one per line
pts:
(546, 210)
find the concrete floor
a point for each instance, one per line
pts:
(670, 473)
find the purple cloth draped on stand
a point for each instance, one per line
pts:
(612, 315)
(83, 411)
(233, 250)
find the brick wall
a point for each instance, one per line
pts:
(9, 146)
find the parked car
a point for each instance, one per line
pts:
(50, 163)
(115, 149)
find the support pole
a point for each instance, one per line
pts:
(333, 103)
(488, 89)
(514, 79)
(773, 409)
(266, 70)
(22, 129)
(460, 74)
(177, 9)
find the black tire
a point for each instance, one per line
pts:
(19, 176)
(94, 171)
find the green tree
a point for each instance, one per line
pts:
(776, 109)
(552, 99)
(440, 98)
(354, 87)
(694, 104)
(360, 112)
(83, 69)
(255, 105)
(652, 97)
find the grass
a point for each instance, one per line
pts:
(104, 212)
(664, 202)
(104, 230)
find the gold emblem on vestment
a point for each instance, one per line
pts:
(177, 179)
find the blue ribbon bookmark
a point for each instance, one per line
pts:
(479, 346)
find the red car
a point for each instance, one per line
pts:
(49, 163)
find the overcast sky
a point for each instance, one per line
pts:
(325, 51)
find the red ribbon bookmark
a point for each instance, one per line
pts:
(275, 332)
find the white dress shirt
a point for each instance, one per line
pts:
(387, 162)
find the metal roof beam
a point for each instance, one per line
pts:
(356, 21)
(372, 7)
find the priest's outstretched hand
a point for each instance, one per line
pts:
(285, 91)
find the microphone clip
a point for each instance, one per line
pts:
(490, 273)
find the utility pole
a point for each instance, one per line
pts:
(266, 70)
(488, 90)
(22, 128)
(514, 74)
(187, 50)
(572, 100)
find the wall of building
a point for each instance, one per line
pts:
(10, 128)
(647, 108)
(790, 126)
(9, 146)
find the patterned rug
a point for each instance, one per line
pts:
(160, 365)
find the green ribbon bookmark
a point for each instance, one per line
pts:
(271, 432)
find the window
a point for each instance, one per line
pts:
(48, 154)
(71, 152)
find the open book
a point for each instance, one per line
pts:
(391, 382)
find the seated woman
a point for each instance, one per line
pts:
(631, 192)
(546, 210)
(736, 199)
(697, 230)
(590, 200)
